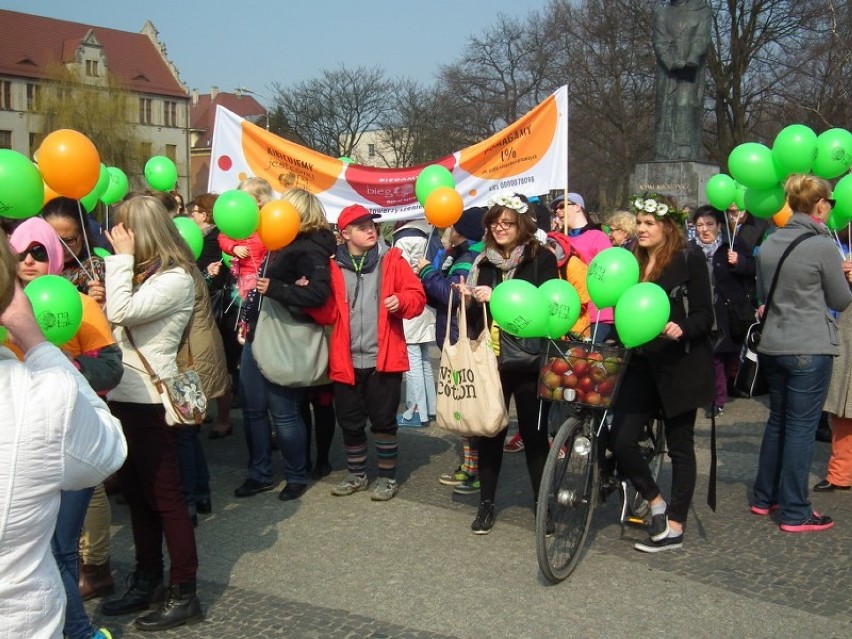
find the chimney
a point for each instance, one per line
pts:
(214, 91)
(195, 97)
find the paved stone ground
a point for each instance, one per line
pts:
(346, 567)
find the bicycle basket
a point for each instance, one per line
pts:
(582, 373)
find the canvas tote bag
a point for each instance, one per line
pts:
(289, 352)
(470, 396)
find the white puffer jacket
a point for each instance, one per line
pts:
(157, 314)
(56, 435)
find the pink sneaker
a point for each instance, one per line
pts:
(760, 510)
(814, 523)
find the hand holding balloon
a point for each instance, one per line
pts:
(20, 322)
(122, 239)
(672, 331)
(482, 294)
(96, 291)
(262, 285)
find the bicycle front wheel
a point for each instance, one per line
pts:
(568, 493)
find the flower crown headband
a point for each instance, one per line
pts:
(509, 201)
(653, 203)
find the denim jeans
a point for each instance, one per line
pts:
(66, 536)
(194, 474)
(420, 382)
(262, 399)
(798, 385)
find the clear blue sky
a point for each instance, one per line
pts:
(253, 43)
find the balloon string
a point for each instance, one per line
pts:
(849, 241)
(85, 240)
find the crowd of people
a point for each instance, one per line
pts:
(354, 315)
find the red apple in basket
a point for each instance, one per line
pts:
(580, 366)
(598, 373)
(595, 357)
(593, 398)
(606, 387)
(552, 380)
(543, 391)
(570, 379)
(559, 365)
(580, 396)
(586, 384)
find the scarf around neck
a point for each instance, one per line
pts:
(506, 264)
(711, 248)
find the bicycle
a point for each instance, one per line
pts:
(572, 484)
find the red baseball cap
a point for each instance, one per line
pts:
(354, 213)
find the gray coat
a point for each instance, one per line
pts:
(811, 283)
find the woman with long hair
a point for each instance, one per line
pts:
(511, 252)
(671, 376)
(798, 345)
(296, 276)
(150, 297)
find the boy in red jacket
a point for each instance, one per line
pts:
(373, 290)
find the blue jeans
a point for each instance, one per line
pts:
(798, 386)
(194, 474)
(66, 537)
(420, 382)
(262, 399)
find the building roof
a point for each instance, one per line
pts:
(203, 113)
(30, 44)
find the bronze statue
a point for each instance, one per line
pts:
(681, 39)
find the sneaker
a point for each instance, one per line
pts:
(352, 484)
(454, 478)
(484, 521)
(409, 422)
(514, 445)
(102, 633)
(659, 527)
(253, 487)
(669, 542)
(468, 486)
(763, 511)
(385, 489)
(826, 486)
(713, 411)
(814, 523)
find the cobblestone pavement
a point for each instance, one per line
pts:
(346, 567)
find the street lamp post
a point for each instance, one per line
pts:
(240, 90)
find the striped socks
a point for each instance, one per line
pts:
(387, 450)
(470, 452)
(356, 458)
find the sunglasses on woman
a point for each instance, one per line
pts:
(38, 252)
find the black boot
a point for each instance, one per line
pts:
(144, 588)
(180, 607)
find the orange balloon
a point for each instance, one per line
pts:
(69, 163)
(443, 207)
(49, 194)
(279, 224)
(782, 216)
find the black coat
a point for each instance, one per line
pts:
(683, 369)
(307, 256)
(733, 288)
(536, 269)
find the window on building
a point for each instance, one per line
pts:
(33, 95)
(92, 68)
(145, 111)
(5, 139)
(146, 149)
(171, 152)
(170, 113)
(371, 150)
(5, 95)
(35, 142)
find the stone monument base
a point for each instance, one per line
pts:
(686, 182)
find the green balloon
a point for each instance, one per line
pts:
(4, 334)
(21, 186)
(720, 191)
(765, 202)
(161, 173)
(843, 196)
(191, 234)
(833, 153)
(90, 200)
(751, 164)
(346, 159)
(117, 187)
(739, 197)
(563, 304)
(432, 177)
(641, 314)
(793, 150)
(518, 308)
(101, 252)
(57, 307)
(226, 259)
(236, 214)
(611, 272)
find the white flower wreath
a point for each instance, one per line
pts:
(509, 201)
(645, 204)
